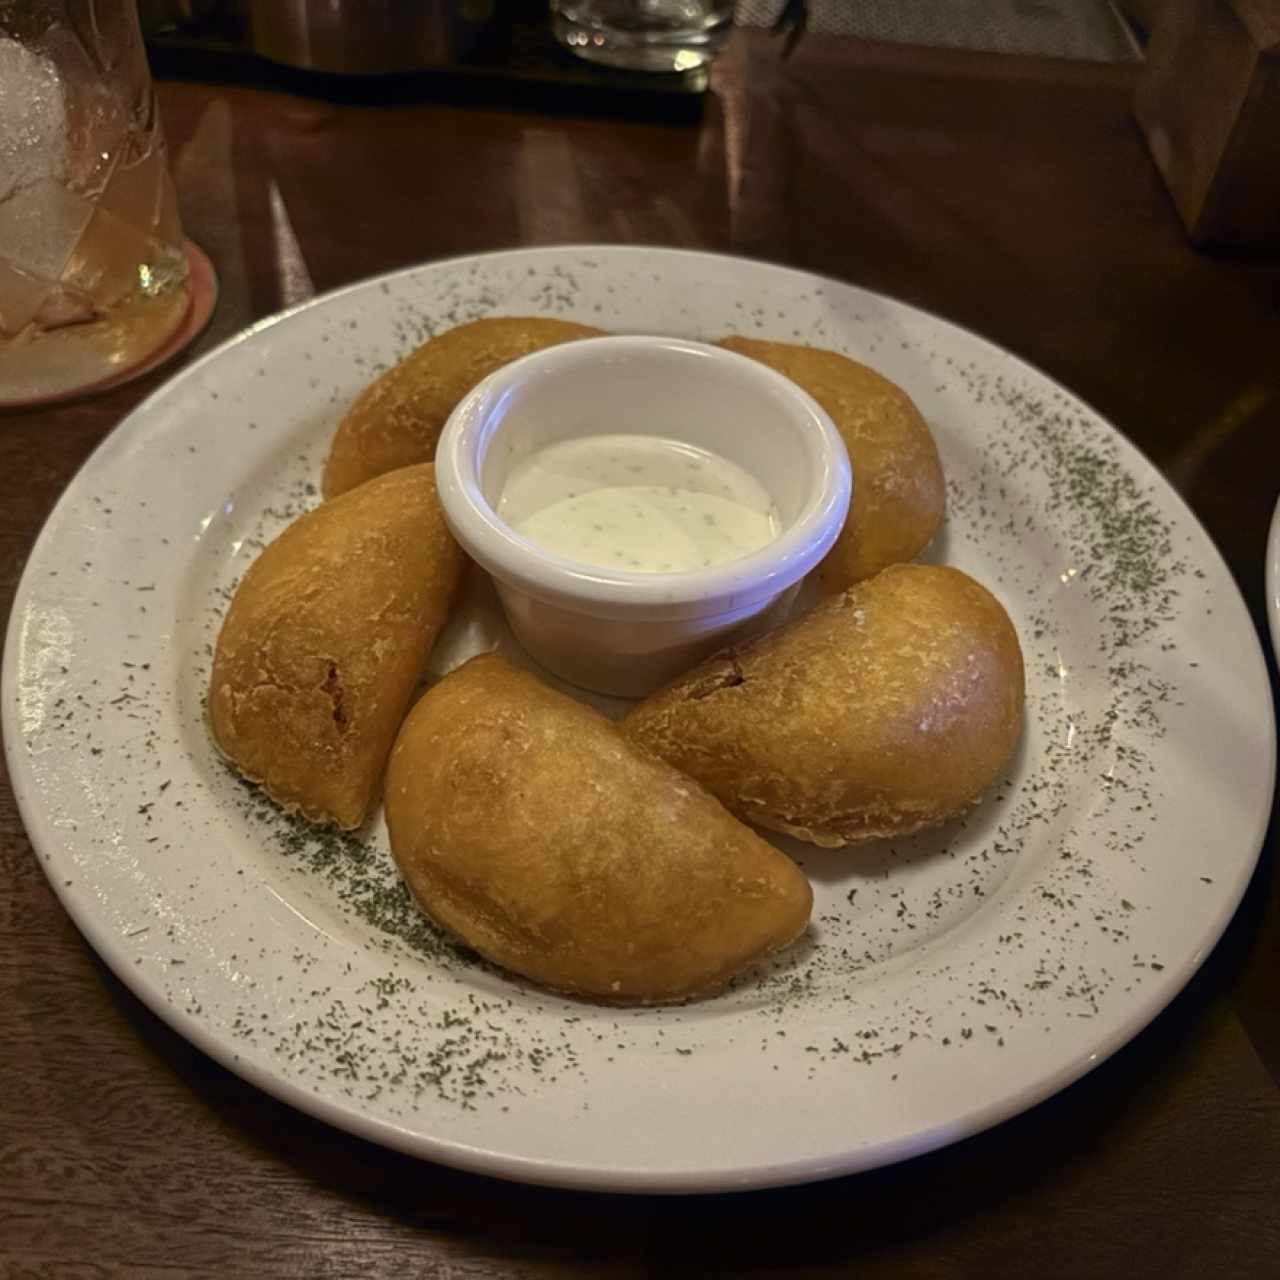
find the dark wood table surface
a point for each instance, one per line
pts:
(1013, 195)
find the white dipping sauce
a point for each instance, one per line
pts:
(641, 503)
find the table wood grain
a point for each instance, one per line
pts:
(1012, 195)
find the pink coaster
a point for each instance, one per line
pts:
(203, 281)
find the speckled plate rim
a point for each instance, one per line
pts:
(49, 841)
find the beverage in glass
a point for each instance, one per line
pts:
(93, 268)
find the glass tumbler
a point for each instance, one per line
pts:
(644, 35)
(93, 264)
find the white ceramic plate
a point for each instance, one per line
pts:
(950, 980)
(1273, 581)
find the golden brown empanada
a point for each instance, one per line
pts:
(899, 495)
(524, 822)
(325, 641)
(889, 708)
(397, 419)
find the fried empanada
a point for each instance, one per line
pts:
(397, 419)
(899, 495)
(889, 708)
(325, 641)
(524, 822)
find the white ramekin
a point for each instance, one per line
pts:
(624, 633)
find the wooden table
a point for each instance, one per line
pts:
(1011, 195)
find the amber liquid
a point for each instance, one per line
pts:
(93, 267)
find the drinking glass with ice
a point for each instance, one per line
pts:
(93, 264)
